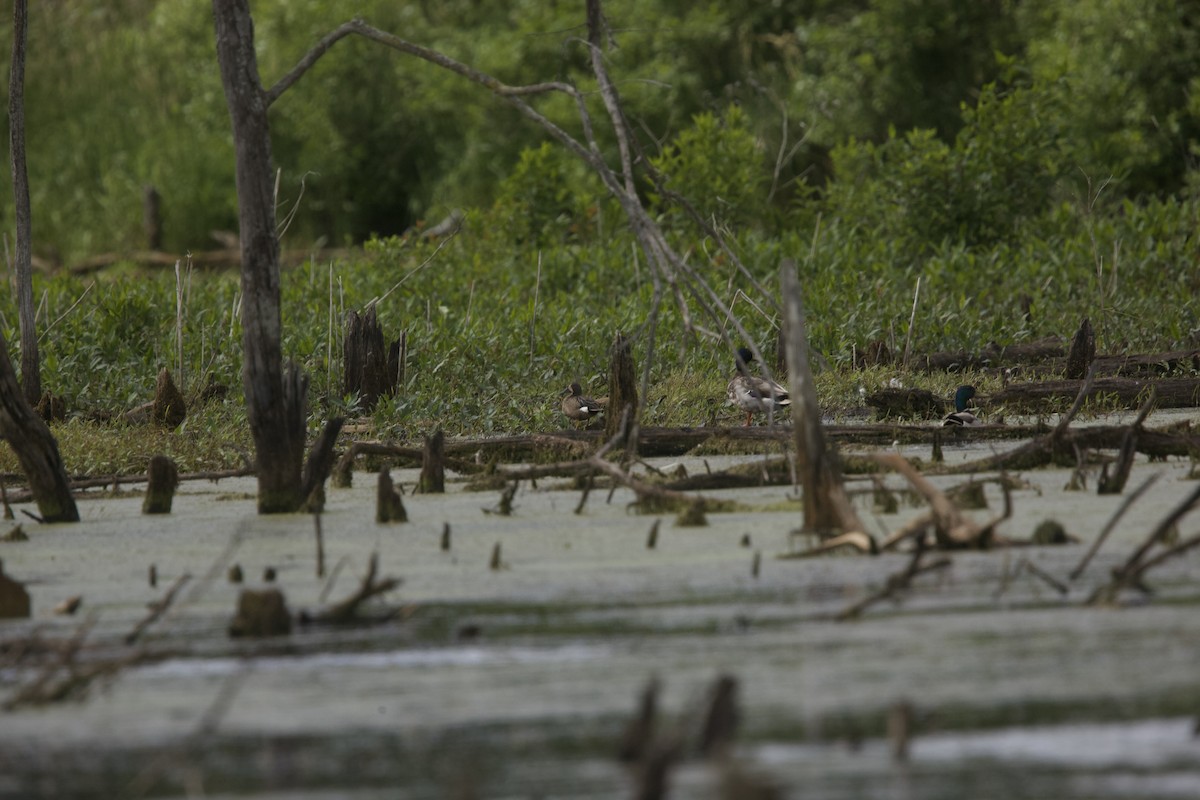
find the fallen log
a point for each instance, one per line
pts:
(1123, 392)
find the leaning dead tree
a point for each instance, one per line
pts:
(630, 169)
(25, 431)
(276, 395)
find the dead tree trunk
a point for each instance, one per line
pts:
(827, 509)
(32, 441)
(372, 370)
(31, 375)
(276, 396)
(622, 393)
(35, 447)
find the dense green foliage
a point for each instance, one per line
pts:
(1003, 153)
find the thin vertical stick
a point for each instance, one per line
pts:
(320, 545)
(912, 319)
(470, 302)
(533, 317)
(329, 336)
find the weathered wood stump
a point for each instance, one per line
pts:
(14, 600)
(372, 370)
(162, 479)
(388, 505)
(1082, 352)
(169, 409)
(261, 613)
(433, 465)
(622, 390)
(51, 408)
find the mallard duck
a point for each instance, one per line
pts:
(577, 406)
(960, 417)
(752, 393)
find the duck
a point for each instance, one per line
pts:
(961, 417)
(752, 393)
(577, 406)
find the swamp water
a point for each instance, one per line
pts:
(517, 682)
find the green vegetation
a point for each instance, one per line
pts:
(1002, 153)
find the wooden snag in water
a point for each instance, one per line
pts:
(639, 732)
(652, 536)
(900, 729)
(372, 370)
(388, 505)
(496, 562)
(691, 515)
(827, 507)
(169, 408)
(433, 465)
(721, 721)
(162, 479)
(445, 536)
(14, 600)
(1082, 352)
(347, 609)
(261, 613)
(1115, 484)
(622, 393)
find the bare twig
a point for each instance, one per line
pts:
(1129, 500)
(157, 609)
(896, 583)
(347, 609)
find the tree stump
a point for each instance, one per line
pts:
(622, 390)
(169, 409)
(51, 408)
(433, 465)
(388, 505)
(162, 479)
(372, 370)
(1082, 352)
(261, 613)
(14, 600)
(152, 217)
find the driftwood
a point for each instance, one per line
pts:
(952, 530)
(1130, 574)
(895, 584)
(347, 610)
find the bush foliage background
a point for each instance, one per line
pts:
(1005, 153)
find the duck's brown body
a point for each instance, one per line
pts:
(577, 406)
